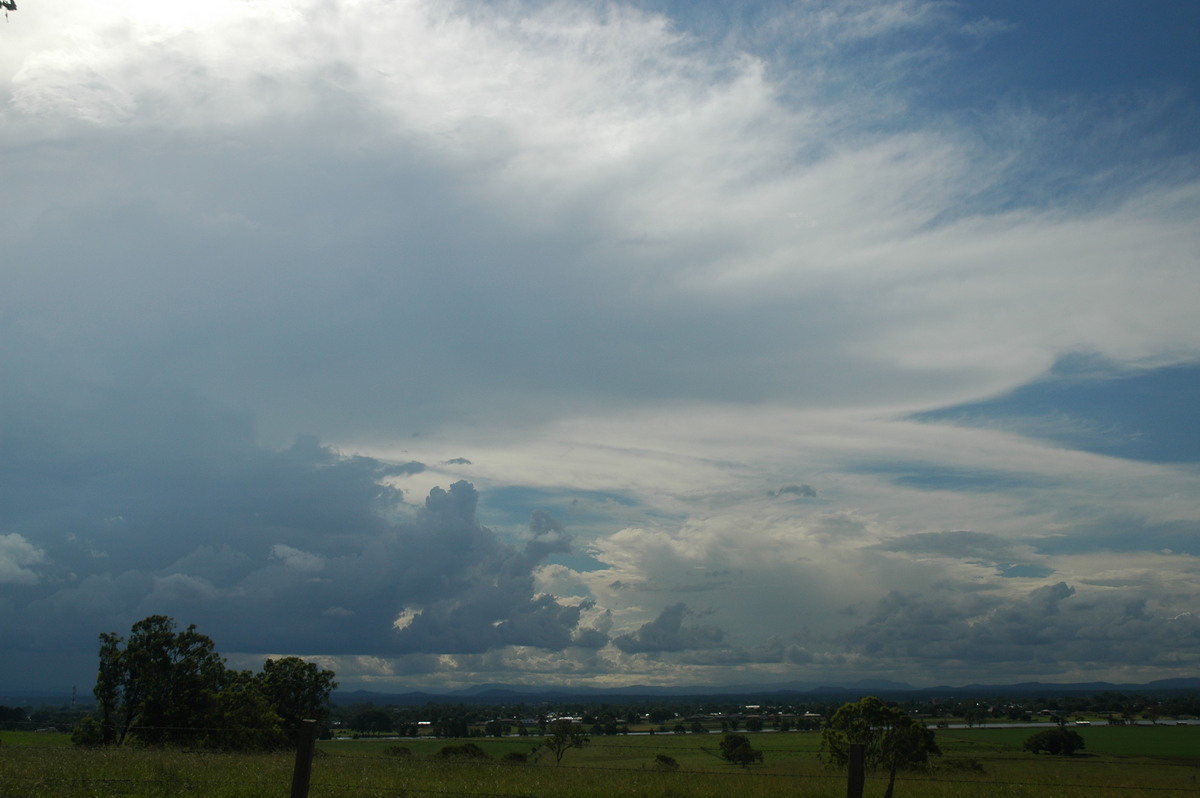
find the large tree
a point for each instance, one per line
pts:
(298, 690)
(891, 739)
(169, 687)
(161, 685)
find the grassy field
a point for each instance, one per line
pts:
(1119, 762)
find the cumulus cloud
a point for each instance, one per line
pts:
(16, 557)
(1054, 628)
(295, 558)
(273, 550)
(669, 633)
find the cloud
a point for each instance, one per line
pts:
(294, 558)
(672, 185)
(667, 633)
(800, 491)
(266, 280)
(957, 545)
(269, 550)
(1054, 628)
(16, 555)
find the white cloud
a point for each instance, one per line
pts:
(16, 556)
(297, 559)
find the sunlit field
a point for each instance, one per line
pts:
(1129, 761)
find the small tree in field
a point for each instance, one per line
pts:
(1055, 741)
(564, 735)
(891, 738)
(736, 748)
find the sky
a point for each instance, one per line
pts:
(642, 342)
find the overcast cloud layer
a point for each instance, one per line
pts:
(558, 342)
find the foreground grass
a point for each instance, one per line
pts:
(1124, 762)
(54, 772)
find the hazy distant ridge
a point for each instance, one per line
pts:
(499, 693)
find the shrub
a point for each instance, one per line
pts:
(398, 751)
(736, 748)
(89, 732)
(664, 762)
(1055, 741)
(464, 751)
(515, 758)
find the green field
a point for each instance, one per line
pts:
(1119, 761)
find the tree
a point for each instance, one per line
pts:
(372, 721)
(892, 739)
(298, 690)
(975, 717)
(736, 748)
(12, 718)
(564, 735)
(160, 686)
(166, 687)
(1059, 740)
(242, 717)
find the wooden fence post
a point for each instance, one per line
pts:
(306, 747)
(856, 771)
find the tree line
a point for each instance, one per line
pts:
(161, 686)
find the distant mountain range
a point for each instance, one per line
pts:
(514, 693)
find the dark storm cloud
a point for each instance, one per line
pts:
(1050, 624)
(485, 598)
(169, 506)
(667, 633)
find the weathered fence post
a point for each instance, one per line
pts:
(856, 771)
(306, 747)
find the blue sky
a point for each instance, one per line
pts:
(568, 343)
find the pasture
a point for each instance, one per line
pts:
(1120, 762)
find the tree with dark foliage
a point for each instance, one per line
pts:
(736, 748)
(891, 738)
(298, 690)
(166, 687)
(162, 683)
(1058, 740)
